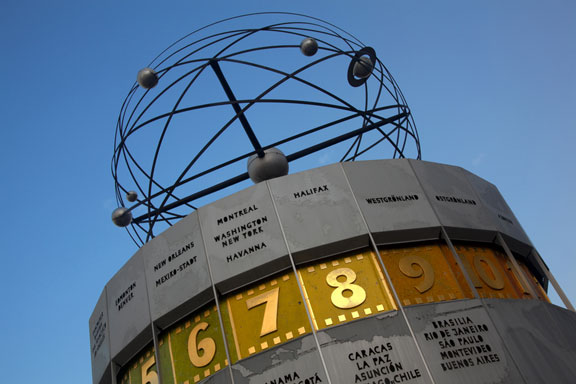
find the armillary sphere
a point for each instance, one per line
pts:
(243, 98)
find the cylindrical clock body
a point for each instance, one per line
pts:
(374, 272)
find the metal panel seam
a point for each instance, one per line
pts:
(224, 338)
(295, 271)
(389, 281)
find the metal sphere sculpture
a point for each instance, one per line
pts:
(309, 46)
(258, 91)
(147, 78)
(122, 217)
(273, 164)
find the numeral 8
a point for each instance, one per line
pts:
(358, 294)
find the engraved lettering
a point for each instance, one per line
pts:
(236, 214)
(391, 199)
(311, 191)
(125, 297)
(178, 269)
(452, 199)
(245, 252)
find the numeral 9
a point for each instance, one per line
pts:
(408, 265)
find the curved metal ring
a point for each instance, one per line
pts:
(366, 51)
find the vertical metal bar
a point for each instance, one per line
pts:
(446, 238)
(245, 124)
(114, 371)
(518, 271)
(295, 271)
(459, 261)
(156, 350)
(374, 247)
(482, 301)
(551, 278)
(215, 292)
(154, 335)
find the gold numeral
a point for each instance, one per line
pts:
(496, 281)
(519, 279)
(355, 294)
(207, 346)
(270, 321)
(473, 276)
(408, 265)
(148, 376)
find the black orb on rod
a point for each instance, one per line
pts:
(241, 99)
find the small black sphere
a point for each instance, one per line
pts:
(273, 164)
(309, 46)
(363, 67)
(147, 78)
(122, 217)
(131, 196)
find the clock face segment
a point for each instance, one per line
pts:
(128, 307)
(424, 274)
(243, 238)
(316, 210)
(264, 315)
(142, 370)
(193, 349)
(344, 289)
(491, 273)
(338, 273)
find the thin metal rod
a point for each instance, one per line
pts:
(283, 141)
(182, 54)
(518, 271)
(217, 301)
(551, 278)
(344, 137)
(295, 156)
(391, 290)
(245, 124)
(300, 288)
(459, 261)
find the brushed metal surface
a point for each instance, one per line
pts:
(128, 310)
(392, 201)
(177, 271)
(318, 213)
(540, 336)
(243, 238)
(295, 362)
(99, 326)
(379, 349)
(461, 344)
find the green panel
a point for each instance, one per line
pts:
(141, 369)
(193, 349)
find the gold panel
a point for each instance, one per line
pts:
(531, 279)
(344, 289)
(489, 271)
(423, 274)
(193, 349)
(264, 315)
(141, 369)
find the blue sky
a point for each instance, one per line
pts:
(492, 86)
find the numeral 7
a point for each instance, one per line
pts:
(270, 321)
